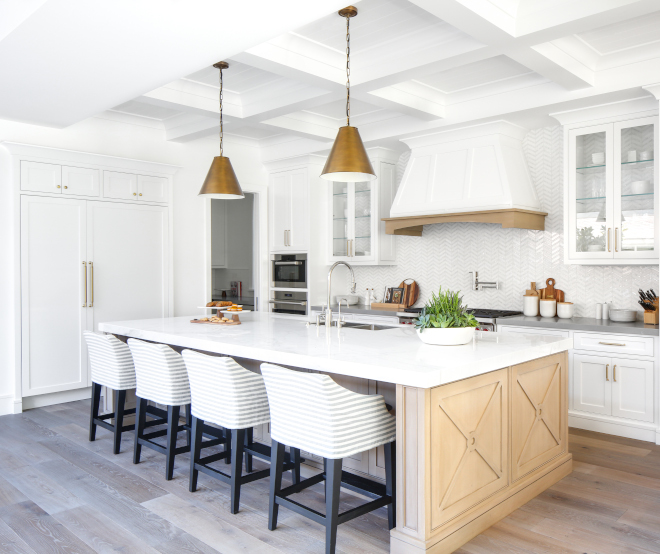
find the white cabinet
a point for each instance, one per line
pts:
(152, 189)
(613, 386)
(82, 263)
(611, 193)
(41, 177)
(80, 181)
(289, 211)
(356, 232)
(119, 185)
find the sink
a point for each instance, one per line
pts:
(367, 326)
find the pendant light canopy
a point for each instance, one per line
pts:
(348, 160)
(221, 182)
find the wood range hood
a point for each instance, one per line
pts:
(475, 174)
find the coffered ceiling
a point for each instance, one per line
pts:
(416, 66)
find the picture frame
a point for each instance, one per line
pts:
(387, 296)
(396, 296)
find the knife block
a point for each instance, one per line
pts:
(651, 318)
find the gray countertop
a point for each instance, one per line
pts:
(582, 324)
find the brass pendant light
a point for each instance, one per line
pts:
(221, 181)
(348, 160)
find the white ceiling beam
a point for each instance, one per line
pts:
(193, 130)
(411, 98)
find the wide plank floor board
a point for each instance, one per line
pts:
(61, 493)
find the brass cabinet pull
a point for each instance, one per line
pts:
(140, 194)
(607, 372)
(85, 265)
(58, 186)
(609, 234)
(616, 240)
(135, 194)
(66, 187)
(91, 267)
(613, 343)
(614, 372)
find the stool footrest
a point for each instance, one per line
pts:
(104, 424)
(155, 422)
(160, 448)
(362, 485)
(293, 489)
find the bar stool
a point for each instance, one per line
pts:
(111, 365)
(225, 393)
(162, 378)
(311, 412)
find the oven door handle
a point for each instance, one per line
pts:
(297, 302)
(288, 263)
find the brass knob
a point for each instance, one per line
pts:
(66, 187)
(134, 194)
(58, 186)
(140, 194)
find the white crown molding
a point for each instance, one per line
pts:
(637, 106)
(58, 156)
(500, 127)
(295, 162)
(654, 89)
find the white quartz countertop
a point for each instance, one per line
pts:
(393, 355)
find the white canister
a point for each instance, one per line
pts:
(599, 311)
(606, 310)
(531, 305)
(548, 308)
(565, 310)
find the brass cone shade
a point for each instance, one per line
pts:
(221, 181)
(348, 160)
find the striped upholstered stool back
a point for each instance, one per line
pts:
(224, 392)
(311, 412)
(110, 361)
(161, 373)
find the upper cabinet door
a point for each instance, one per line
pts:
(590, 186)
(280, 211)
(119, 185)
(153, 189)
(40, 177)
(81, 181)
(299, 226)
(341, 205)
(635, 189)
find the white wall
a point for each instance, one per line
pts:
(190, 217)
(447, 252)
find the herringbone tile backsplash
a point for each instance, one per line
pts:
(445, 253)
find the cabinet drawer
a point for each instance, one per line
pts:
(615, 344)
(378, 319)
(532, 331)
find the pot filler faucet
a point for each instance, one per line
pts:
(328, 311)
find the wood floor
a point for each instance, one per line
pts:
(61, 493)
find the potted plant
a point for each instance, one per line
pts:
(445, 321)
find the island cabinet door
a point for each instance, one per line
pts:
(469, 438)
(538, 404)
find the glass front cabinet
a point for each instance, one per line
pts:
(612, 193)
(356, 232)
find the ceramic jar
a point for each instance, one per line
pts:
(565, 310)
(548, 308)
(531, 305)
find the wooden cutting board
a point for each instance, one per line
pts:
(410, 292)
(550, 292)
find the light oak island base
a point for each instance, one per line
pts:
(471, 452)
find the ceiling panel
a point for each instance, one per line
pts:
(624, 35)
(254, 132)
(337, 109)
(475, 74)
(238, 77)
(150, 111)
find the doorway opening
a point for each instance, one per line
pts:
(234, 267)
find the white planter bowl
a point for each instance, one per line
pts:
(447, 337)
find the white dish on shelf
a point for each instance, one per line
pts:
(641, 187)
(645, 155)
(598, 158)
(622, 315)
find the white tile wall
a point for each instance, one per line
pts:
(447, 252)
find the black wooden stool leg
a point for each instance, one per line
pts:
(228, 446)
(96, 400)
(333, 485)
(195, 451)
(188, 423)
(390, 481)
(237, 445)
(325, 482)
(295, 458)
(249, 440)
(172, 430)
(276, 466)
(140, 420)
(120, 399)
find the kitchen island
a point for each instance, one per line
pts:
(481, 428)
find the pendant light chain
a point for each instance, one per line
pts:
(348, 71)
(221, 133)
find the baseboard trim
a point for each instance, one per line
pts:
(41, 400)
(631, 431)
(6, 404)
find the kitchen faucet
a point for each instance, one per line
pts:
(328, 310)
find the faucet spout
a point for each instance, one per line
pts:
(328, 313)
